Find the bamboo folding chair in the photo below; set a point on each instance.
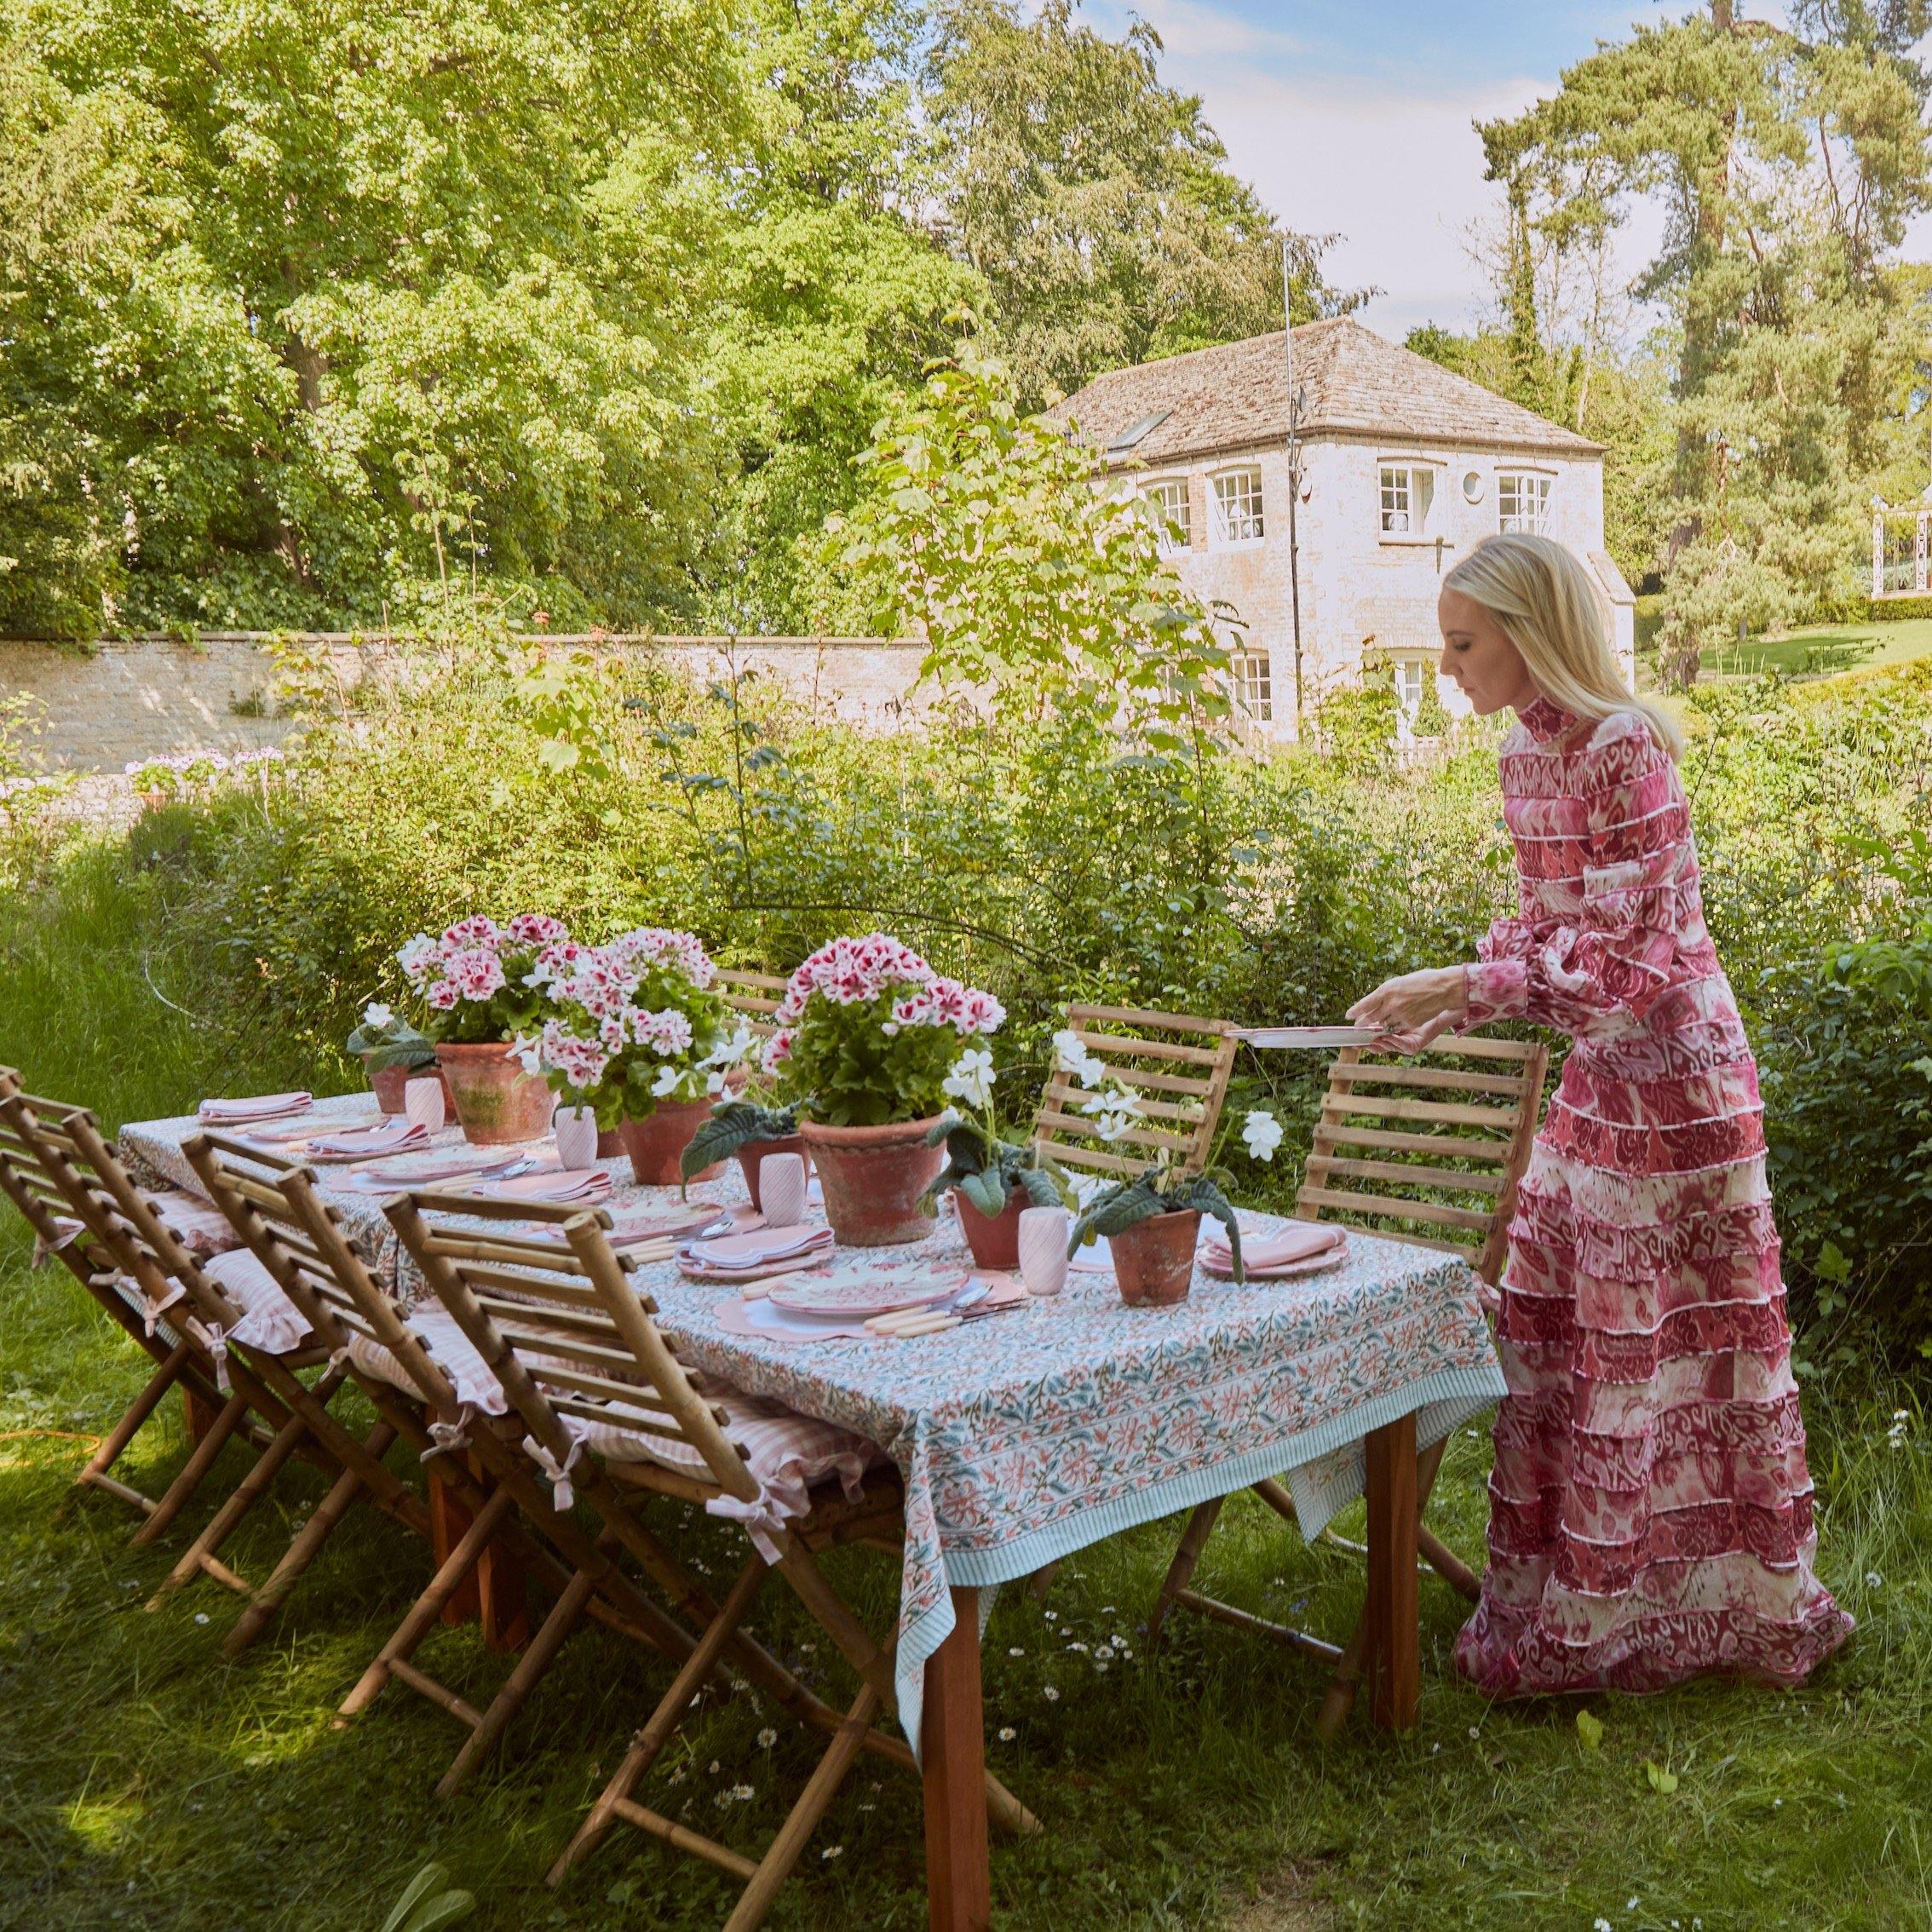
(575, 1346)
(252, 1381)
(1178, 1065)
(276, 1205)
(58, 1231)
(1435, 1162)
(755, 995)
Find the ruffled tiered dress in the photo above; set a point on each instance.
(1650, 1506)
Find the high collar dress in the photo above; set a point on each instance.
(1650, 1504)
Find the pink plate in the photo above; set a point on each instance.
(857, 1292)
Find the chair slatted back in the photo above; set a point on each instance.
(273, 1204)
(69, 1149)
(558, 1321)
(1428, 1149)
(28, 1183)
(755, 995)
(1178, 1064)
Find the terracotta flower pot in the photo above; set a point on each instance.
(495, 1101)
(872, 1178)
(610, 1143)
(753, 1152)
(993, 1239)
(656, 1145)
(1153, 1261)
(387, 1083)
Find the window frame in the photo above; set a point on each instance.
(1218, 537)
(1513, 479)
(1252, 672)
(1410, 467)
(1184, 521)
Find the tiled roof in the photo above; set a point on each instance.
(1237, 395)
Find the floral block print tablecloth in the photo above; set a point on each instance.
(1025, 1437)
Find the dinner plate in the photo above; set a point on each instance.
(855, 1292)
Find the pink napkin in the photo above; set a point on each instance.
(262, 1106)
(730, 1253)
(396, 1137)
(580, 1184)
(1299, 1241)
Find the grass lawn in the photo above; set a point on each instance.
(1824, 650)
(145, 1782)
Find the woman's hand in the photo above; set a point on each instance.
(1414, 1008)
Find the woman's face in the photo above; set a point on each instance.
(1478, 657)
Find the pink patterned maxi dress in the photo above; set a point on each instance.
(1650, 1508)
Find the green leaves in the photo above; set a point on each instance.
(427, 1905)
(1589, 1731)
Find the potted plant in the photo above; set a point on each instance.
(390, 1050)
(1152, 1224)
(482, 987)
(637, 1032)
(996, 1179)
(751, 1131)
(867, 1033)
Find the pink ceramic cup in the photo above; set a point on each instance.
(781, 1189)
(422, 1102)
(577, 1138)
(1043, 1235)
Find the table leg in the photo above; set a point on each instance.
(1394, 1597)
(493, 1590)
(953, 1747)
(200, 1415)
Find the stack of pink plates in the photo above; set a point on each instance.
(584, 1185)
(855, 1292)
(1303, 1247)
(262, 1106)
(361, 1143)
(744, 1257)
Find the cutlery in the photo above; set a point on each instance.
(898, 1318)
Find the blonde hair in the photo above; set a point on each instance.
(1548, 602)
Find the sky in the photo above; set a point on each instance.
(1355, 118)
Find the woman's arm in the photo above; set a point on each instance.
(1616, 954)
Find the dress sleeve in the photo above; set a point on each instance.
(1616, 952)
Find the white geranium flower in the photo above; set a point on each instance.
(1261, 1132)
(667, 1080)
(529, 1049)
(378, 1015)
(1071, 1055)
(971, 1079)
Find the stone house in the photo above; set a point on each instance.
(1404, 465)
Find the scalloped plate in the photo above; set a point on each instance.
(855, 1292)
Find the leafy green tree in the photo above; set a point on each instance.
(1787, 160)
(376, 296)
(1095, 201)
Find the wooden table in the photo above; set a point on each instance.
(1049, 1430)
(958, 1871)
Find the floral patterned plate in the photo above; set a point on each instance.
(855, 1291)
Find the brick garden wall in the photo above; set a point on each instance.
(148, 697)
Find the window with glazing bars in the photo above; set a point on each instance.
(1167, 504)
(1238, 507)
(1408, 494)
(1254, 685)
(1523, 502)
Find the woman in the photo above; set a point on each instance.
(1650, 1508)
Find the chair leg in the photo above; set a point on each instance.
(428, 1606)
(138, 1410)
(529, 1667)
(663, 1720)
(813, 1802)
(347, 1491)
(1200, 1525)
(247, 1494)
(1041, 1581)
(192, 1471)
